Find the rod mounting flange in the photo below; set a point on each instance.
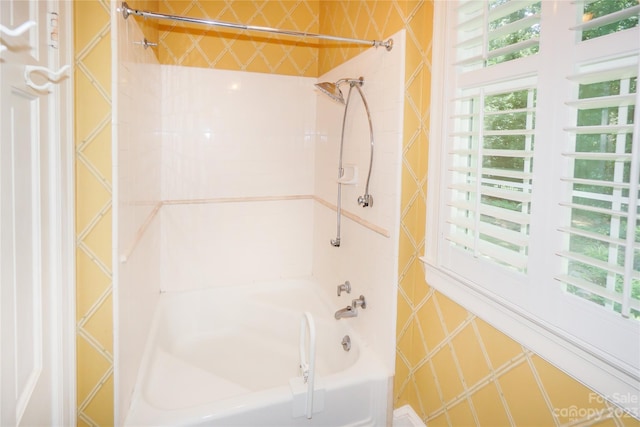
(125, 9)
(388, 44)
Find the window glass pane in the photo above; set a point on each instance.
(604, 8)
(508, 33)
(600, 200)
(496, 31)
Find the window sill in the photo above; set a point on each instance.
(578, 361)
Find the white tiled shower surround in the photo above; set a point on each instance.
(228, 177)
(235, 134)
(367, 259)
(136, 195)
(236, 137)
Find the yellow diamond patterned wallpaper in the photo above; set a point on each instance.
(196, 46)
(451, 367)
(370, 20)
(94, 327)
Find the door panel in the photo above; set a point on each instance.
(29, 305)
(27, 285)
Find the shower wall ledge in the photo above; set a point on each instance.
(139, 235)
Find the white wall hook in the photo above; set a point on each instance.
(18, 31)
(53, 76)
(146, 43)
(2, 48)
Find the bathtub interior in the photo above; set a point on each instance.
(229, 347)
(221, 331)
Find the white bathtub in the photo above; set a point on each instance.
(225, 357)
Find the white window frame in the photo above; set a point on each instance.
(516, 310)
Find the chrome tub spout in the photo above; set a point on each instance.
(351, 310)
(348, 311)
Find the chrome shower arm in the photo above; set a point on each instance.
(351, 81)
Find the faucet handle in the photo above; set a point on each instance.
(360, 302)
(346, 286)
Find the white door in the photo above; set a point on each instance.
(32, 309)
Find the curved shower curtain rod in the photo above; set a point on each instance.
(126, 11)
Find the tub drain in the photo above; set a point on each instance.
(346, 343)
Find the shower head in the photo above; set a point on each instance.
(333, 89)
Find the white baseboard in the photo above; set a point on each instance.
(405, 416)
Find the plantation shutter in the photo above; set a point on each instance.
(533, 218)
(492, 138)
(601, 257)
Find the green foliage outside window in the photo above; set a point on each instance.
(602, 8)
(512, 38)
(603, 196)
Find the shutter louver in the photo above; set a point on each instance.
(602, 258)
